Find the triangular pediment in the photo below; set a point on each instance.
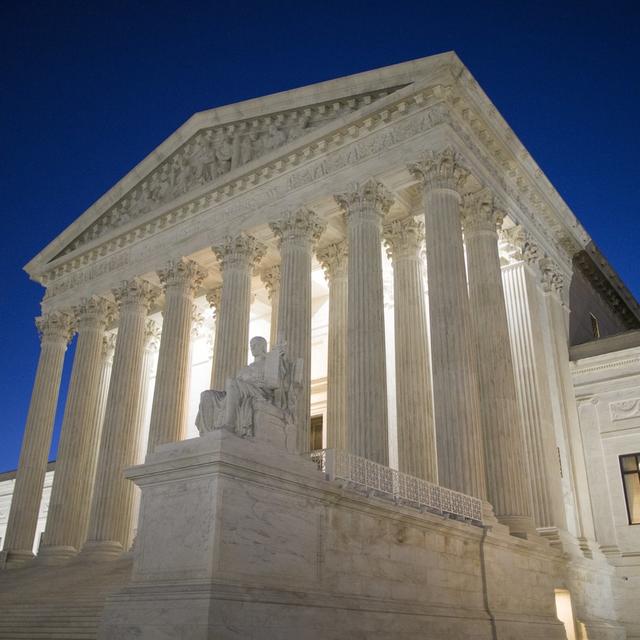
(220, 141)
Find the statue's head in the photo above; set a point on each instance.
(258, 346)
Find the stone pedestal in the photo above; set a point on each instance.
(239, 538)
(55, 330)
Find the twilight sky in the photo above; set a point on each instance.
(88, 89)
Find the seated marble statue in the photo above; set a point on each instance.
(270, 378)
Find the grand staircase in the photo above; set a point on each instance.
(62, 602)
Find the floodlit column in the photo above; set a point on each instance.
(416, 435)
(271, 279)
(113, 498)
(520, 278)
(297, 233)
(507, 486)
(334, 261)
(55, 329)
(365, 208)
(453, 360)
(213, 298)
(180, 279)
(70, 502)
(237, 257)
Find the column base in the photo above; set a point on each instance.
(519, 526)
(10, 559)
(56, 554)
(101, 550)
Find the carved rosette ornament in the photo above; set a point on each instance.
(369, 201)
(440, 170)
(301, 225)
(136, 292)
(271, 280)
(403, 238)
(333, 260)
(183, 273)
(239, 252)
(55, 326)
(481, 213)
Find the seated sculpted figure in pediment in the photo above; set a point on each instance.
(270, 378)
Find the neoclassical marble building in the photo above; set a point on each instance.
(389, 232)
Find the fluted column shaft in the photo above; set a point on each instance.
(271, 279)
(170, 398)
(502, 430)
(213, 298)
(416, 436)
(113, 498)
(334, 260)
(70, 501)
(366, 366)
(297, 233)
(532, 392)
(55, 331)
(237, 257)
(455, 383)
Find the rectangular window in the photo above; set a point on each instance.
(630, 468)
(316, 432)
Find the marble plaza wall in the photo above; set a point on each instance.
(238, 539)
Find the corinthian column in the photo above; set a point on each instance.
(237, 257)
(180, 279)
(526, 323)
(113, 498)
(78, 448)
(271, 279)
(213, 298)
(297, 234)
(507, 486)
(455, 382)
(416, 436)
(334, 261)
(55, 329)
(366, 368)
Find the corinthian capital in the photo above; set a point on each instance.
(333, 259)
(151, 335)
(403, 238)
(271, 279)
(300, 225)
(518, 246)
(369, 201)
(552, 277)
(55, 326)
(136, 292)
(213, 297)
(94, 312)
(182, 273)
(239, 252)
(481, 212)
(440, 170)
(108, 347)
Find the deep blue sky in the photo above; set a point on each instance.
(88, 89)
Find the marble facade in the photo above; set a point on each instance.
(392, 234)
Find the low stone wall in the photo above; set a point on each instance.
(240, 540)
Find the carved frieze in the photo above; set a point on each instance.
(624, 409)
